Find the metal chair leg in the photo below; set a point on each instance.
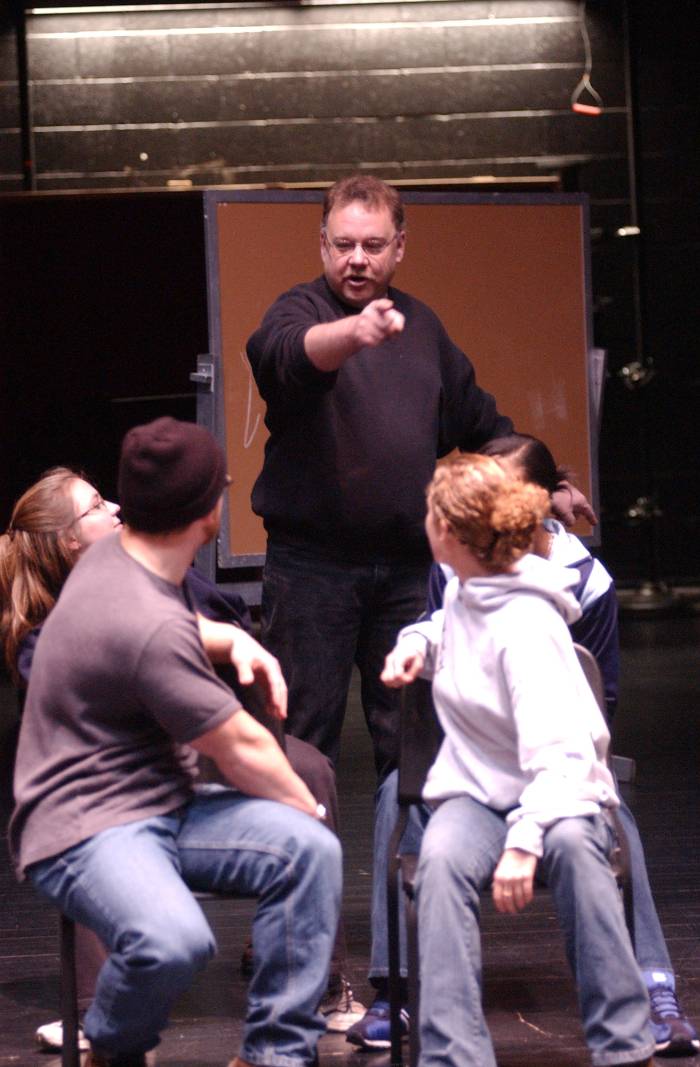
(413, 975)
(70, 1056)
(393, 926)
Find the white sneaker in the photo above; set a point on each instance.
(50, 1036)
(339, 1008)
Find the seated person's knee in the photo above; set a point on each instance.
(180, 944)
(575, 839)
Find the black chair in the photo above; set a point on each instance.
(70, 1055)
(420, 738)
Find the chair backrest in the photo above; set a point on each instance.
(591, 670)
(620, 855)
(420, 738)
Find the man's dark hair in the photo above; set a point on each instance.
(371, 191)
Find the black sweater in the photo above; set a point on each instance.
(351, 451)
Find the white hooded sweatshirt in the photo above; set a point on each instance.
(523, 732)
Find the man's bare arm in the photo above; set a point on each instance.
(329, 344)
(225, 643)
(250, 759)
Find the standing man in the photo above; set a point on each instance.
(107, 822)
(364, 392)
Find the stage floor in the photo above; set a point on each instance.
(529, 994)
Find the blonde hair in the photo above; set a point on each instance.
(489, 510)
(34, 558)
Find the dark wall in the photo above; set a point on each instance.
(104, 313)
(436, 89)
(270, 92)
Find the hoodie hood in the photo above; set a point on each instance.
(531, 575)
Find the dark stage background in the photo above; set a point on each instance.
(103, 299)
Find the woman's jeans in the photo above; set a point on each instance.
(650, 947)
(131, 885)
(462, 844)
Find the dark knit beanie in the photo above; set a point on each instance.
(170, 473)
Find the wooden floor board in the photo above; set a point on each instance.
(529, 996)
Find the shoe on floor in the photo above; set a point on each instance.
(374, 1028)
(50, 1037)
(673, 1033)
(338, 1007)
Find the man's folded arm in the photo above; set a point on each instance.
(250, 759)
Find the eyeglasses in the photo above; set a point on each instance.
(97, 505)
(372, 246)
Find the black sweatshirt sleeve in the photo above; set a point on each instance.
(284, 374)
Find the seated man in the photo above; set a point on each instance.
(107, 823)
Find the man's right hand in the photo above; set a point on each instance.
(377, 322)
(329, 344)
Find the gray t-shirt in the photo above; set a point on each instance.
(120, 683)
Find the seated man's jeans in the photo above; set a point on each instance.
(319, 617)
(131, 885)
(650, 945)
(462, 844)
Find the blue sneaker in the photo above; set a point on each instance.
(673, 1033)
(374, 1028)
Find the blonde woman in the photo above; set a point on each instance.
(52, 523)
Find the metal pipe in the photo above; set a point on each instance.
(25, 103)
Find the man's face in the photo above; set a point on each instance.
(359, 276)
(212, 523)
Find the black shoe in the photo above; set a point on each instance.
(95, 1059)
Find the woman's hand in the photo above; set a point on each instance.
(403, 665)
(513, 879)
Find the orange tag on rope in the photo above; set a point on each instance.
(587, 109)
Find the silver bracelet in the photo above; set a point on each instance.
(321, 812)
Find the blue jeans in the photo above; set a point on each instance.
(386, 811)
(131, 885)
(649, 941)
(650, 947)
(462, 844)
(319, 617)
